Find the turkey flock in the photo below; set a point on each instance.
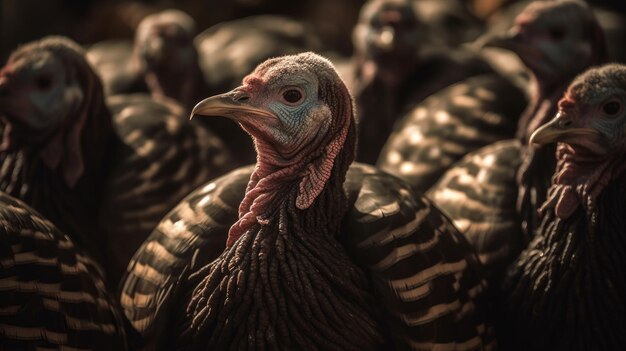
(458, 182)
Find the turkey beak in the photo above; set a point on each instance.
(561, 129)
(233, 105)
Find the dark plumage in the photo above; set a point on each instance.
(52, 293)
(449, 124)
(549, 59)
(100, 179)
(168, 60)
(566, 290)
(556, 41)
(230, 50)
(479, 194)
(396, 68)
(310, 262)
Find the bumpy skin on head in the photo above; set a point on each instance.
(591, 125)
(299, 113)
(56, 131)
(566, 290)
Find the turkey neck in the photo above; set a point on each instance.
(569, 285)
(285, 282)
(380, 99)
(542, 106)
(538, 162)
(73, 210)
(186, 86)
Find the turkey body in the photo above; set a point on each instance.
(479, 194)
(526, 190)
(449, 124)
(566, 289)
(315, 243)
(415, 260)
(159, 159)
(52, 293)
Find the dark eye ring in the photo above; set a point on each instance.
(43, 82)
(612, 108)
(292, 95)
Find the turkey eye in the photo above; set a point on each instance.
(611, 108)
(292, 95)
(43, 82)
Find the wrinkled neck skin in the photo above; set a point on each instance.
(271, 183)
(580, 178)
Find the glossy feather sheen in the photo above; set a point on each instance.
(418, 263)
(448, 125)
(52, 294)
(479, 195)
(230, 50)
(381, 108)
(160, 160)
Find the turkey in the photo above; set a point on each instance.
(487, 213)
(52, 294)
(100, 178)
(310, 261)
(162, 60)
(168, 61)
(566, 290)
(395, 68)
(556, 41)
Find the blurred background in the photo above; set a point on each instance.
(90, 21)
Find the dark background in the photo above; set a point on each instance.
(89, 21)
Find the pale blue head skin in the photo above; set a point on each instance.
(37, 90)
(592, 114)
(279, 105)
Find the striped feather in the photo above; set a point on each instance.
(52, 296)
(163, 158)
(449, 124)
(479, 194)
(421, 267)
